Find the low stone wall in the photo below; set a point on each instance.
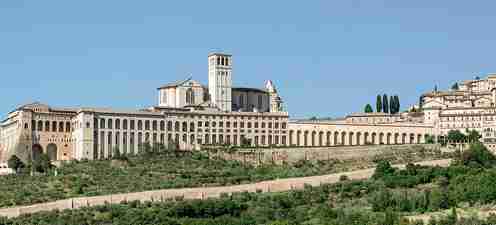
(293, 154)
(197, 193)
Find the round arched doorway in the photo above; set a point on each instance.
(36, 151)
(52, 151)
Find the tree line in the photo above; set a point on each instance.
(385, 104)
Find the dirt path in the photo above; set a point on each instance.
(278, 185)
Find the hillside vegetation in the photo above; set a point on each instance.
(385, 199)
(155, 169)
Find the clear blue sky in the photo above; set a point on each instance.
(341, 53)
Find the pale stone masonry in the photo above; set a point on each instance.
(190, 114)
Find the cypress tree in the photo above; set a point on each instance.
(392, 105)
(397, 105)
(385, 105)
(378, 104)
(368, 109)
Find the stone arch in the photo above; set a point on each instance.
(419, 138)
(102, 123)
(388, 138)
(47, 126)
(162, 125)
(343, 138)
(350, 138)
(192, 139)
(176, 126)
(207, 139)
(109, 124)
(314, 134)
(40, 125)
(52, 151)
(61, 126)
(37, 150)
(154, 125)
(298, 138)
(366, 138)
(328, 138)
(381, 138)
(321, 138)
(396, 138)
(412, 139)
(403, 138)
(54, 126)
(192, 127)
(185, 126)
(336, 136)
(305, 138)
(358, 138)
(374, 138)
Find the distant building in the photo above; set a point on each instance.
(188, 114)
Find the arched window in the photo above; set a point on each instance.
(169, 126)
(176, 127)
(154, 125)
(54, 126)
(147, 125)
(102, 123)
(118, 124)
(131, 124)
(61, 126)
(185, 126)
(162, 126)
(124, 124)
(40, 125)
(190, 96)
(140, 125)
(227, 61)
(109, 124)
(192, 127)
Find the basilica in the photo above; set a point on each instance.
(189, 114)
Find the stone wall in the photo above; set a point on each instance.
(196, 193)
(294, 154)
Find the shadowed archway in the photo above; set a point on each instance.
(52, 151)
(37, 151)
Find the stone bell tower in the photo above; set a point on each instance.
(220, 80)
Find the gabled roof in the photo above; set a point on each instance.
(175, 84)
